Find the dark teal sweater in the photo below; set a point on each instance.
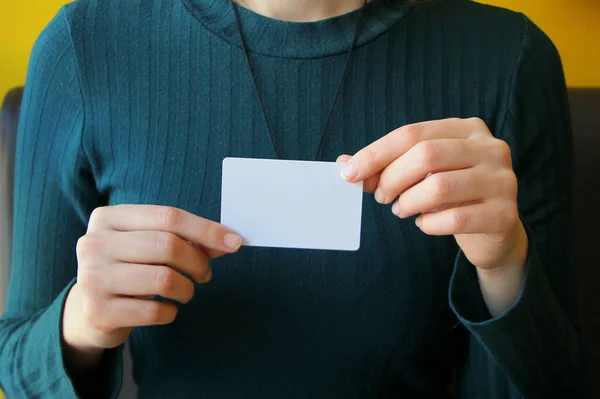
(139, 101)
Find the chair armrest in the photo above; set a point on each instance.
(9, 119)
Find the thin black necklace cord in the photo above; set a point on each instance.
(337, 92)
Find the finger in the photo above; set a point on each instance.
(376, 156)
(110, 314)
(370, 184)
(456, 186)
(157, 248)
(208, 234)
(451, 205)
(343, 158)
(211, 253)
(427, 157)
(145, 280)
(489, 217)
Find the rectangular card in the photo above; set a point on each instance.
(291, 204)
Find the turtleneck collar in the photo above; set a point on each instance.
(285, 39)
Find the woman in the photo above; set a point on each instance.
(447, 109)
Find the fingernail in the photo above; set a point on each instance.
(396, 208)
(418, 221)
(379, 197)
(233, 241)
(350, 171)
(208, 276)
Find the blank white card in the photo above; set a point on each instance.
(291, 204)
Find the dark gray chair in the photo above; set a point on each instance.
(585, 110)
(9, 118)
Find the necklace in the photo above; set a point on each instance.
(337, 92)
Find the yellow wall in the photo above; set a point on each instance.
(20, 23)
(573, 25)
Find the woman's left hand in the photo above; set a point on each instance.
(458, 177)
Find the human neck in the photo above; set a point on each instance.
(301, 10)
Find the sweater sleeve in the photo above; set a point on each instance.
(534, 349)
(54, 195)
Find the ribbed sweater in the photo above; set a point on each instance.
(139, 101)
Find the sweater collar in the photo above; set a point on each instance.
(297, 39)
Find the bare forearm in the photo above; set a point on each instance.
(80, 358)
(501, 286)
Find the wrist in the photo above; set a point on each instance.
(501, 288)
(78, 353)
(514, 258)
(501, 285)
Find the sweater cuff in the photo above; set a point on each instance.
(467, 302)
(515, 339)
(518, 340)
(111, 367)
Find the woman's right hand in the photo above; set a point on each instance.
(129, 254)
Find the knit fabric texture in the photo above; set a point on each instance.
(139, 101)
